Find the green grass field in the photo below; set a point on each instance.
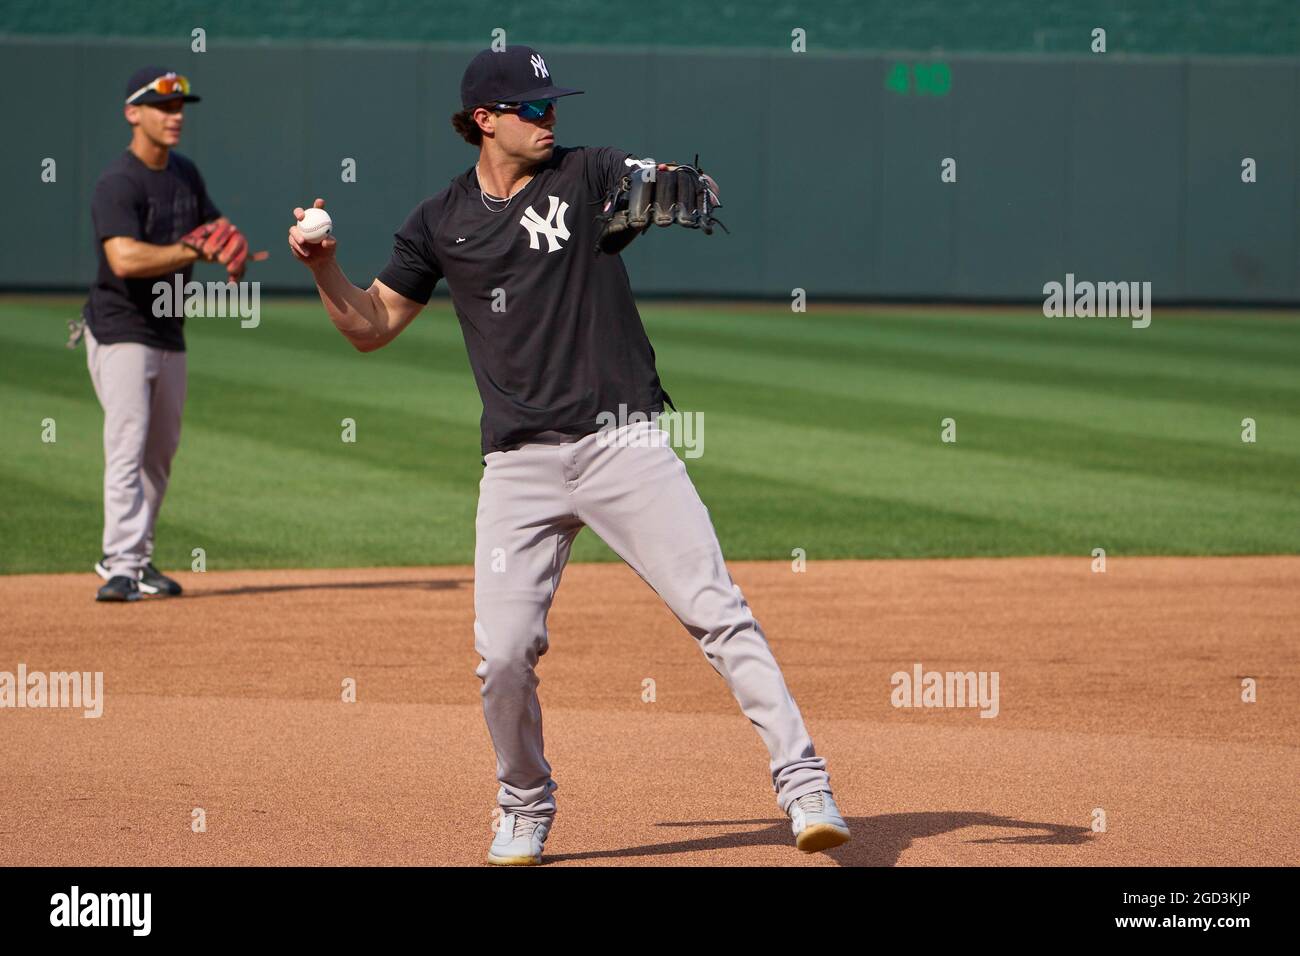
(822, 432)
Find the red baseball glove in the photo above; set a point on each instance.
(219, 241)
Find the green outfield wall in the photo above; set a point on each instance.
(1113, 167)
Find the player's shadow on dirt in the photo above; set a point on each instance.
(877, 841)
(331, 586)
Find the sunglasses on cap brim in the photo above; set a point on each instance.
(165, 85)
(533, 109)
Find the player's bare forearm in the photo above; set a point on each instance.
(368, 318)
(133, 259)
(358, 313)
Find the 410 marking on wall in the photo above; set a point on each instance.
(921, 79)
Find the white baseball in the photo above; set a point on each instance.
(315, 224)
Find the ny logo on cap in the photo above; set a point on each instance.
(537, 226)
(539, 65)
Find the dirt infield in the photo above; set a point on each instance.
(1120, 691)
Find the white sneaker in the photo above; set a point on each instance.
(519, 841)
(817, 823)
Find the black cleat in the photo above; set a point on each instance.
(120, 588)
(153, 581)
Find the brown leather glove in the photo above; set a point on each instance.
(219, 241)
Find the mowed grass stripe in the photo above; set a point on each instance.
(70, 540)
(816, 437)
(395, 450)
(315, 507)
(797, 515)
(441, 452)
(1270, 339)
(1059, 498)
(300, 409)
(1204, 418)
(1007, 368)
(1205, 447)
(1116, 350)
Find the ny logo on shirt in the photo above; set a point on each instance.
(553, 226)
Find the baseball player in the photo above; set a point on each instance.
(526, 240)
(153, 218)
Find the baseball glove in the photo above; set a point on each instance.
(678, 196)
(219, 241)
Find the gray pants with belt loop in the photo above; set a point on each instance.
(630, 488)
(142, 392)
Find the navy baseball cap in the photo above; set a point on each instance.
(141, 87)
(516, 74)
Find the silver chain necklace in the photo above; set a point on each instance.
(484, 197)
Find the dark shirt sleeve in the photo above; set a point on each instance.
(413, 269)
(116, 209)
(605, 167)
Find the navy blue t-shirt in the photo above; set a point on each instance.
(157, 206)
(552, 329)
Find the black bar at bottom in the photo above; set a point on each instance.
(336, 904)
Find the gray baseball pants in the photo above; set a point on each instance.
(631, 489)
(142, 392)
